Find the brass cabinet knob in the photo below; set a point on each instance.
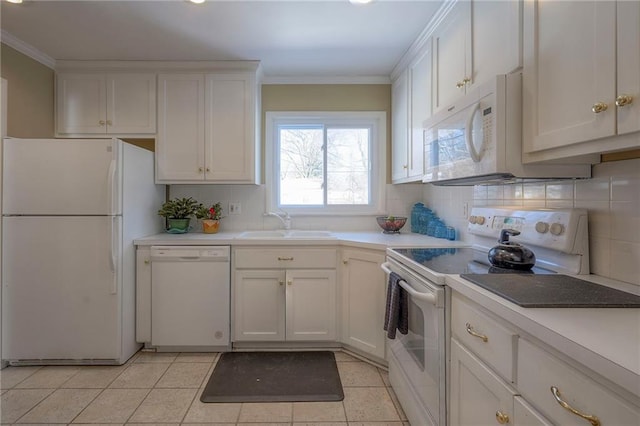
(599, 107)
(405, 167)
(101, 122)
(623, 100)
(345, 261)
(501, 417)
(109, 123)
(289, 282)
(281, 282)
(459, 85)
(146, 262)
(466, 81)
(208, 169)
(200, 169)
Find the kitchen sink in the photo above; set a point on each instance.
(287, 234)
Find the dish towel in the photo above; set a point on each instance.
(396, 315)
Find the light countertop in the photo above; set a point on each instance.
(371, 240)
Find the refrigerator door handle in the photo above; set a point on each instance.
(112, 255)
(111, 185)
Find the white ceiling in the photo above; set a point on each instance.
(303, 38)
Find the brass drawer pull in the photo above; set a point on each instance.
(285, 258)
(474, 334)
(501, 417)
(591, 419)
(623, 100)
(599, 107)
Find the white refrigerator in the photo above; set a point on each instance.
(71, 209)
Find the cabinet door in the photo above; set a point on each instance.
(258, 300)
(143, 295)
(629, 65)
(478, 396)
(452, 55)
(131, 103)
(568, 70)
(526, 415)
(363, 297)
(180, 142)
(81, 103)
(400, 142)
(311, 305)
(420, 107)
(496, 39)
(230, 147)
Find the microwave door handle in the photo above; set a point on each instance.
(475, 156)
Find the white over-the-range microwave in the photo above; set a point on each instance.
(478, 140)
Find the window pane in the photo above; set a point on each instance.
(301, 165)
(348, 165)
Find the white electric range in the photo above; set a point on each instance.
(418, 360)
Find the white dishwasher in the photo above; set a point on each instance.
(190, 298)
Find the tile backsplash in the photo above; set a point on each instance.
(252, 198)
(611, 197)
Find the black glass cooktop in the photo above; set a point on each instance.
(554, 291)
(458, 261)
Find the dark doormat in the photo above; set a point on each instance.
(274, 376)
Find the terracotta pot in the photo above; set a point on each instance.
(210, 226)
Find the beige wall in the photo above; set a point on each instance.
(329, 97)
(30, 102)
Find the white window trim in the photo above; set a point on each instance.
(378, 119)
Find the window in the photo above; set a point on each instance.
(326, 162)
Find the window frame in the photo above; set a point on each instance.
(376, 120)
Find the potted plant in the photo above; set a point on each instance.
(177, 213)
(210, 217)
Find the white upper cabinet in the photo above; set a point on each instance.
(98, 104)
(400, 126)
(475, 41)
(452, 61)
(207, 128)
(411, 105)
(572, 87)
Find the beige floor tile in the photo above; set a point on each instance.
(375, 424)
(264, 424)
(369, 404)
(385, 377)
(16, 402)
(48, 377)
(201, 412)
(112, 406)
(318, 412)
(140, 375)
(94, 377)
(197, 357)
(184, 375)
(321, 424)
(11, 376)
(208, 424)
(94, 424)
(164, 405)
(253, 412)
(62, 406)
(345, 357)
(156, 357)
(396, 403)
(359, 374)
(151, 424)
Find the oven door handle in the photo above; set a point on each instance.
(425, 297)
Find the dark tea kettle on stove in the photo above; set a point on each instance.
(511, 255)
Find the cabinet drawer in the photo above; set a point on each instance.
(492, 342)
(539, 371)
(287, 257)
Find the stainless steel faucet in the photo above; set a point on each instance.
(284, 218)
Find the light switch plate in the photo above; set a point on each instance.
(235, 208)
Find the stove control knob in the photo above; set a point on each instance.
(472, 220)
(556, 228)
(542, 227)
(480, 220)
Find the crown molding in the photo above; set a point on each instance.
(26, 49)
(337, 79)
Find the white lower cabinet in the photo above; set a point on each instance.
(478, 395)
(291, 295)
(546, 382)
(363, 297)
(545, 389)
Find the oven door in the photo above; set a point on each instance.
(417, 360)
